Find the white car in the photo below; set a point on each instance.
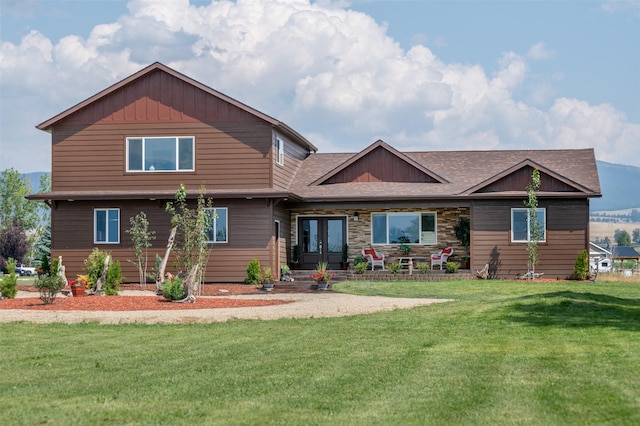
(25, 271)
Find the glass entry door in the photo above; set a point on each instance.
(321, 240)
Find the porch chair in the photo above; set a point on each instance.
(373, 258)
(441, 257)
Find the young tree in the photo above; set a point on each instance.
(636, 235)
(534, 226)
(192, 250)
(141, 238)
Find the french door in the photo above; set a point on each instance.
(321, 240)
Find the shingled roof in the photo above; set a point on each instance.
(459, 174)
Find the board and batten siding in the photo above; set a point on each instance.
(491, 238)
(159, 97)
(227, 156)
(250, 224)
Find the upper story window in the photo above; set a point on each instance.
(403, 228)
(521, 225)
(160, 154)
(217, 232)
(106, 226)
(280, 151)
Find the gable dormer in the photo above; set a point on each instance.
(379, 163)
(518, 177)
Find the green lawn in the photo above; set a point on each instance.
(502, 353)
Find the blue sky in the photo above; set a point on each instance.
(421, 75)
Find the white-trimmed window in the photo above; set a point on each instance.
(217, 232)
(521, 225)
(404, 228)
(106, 226)
(160, 154)
(280, 151)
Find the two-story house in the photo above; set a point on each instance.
(128, 148)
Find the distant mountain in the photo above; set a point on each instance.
(35, 180)
(620, 186)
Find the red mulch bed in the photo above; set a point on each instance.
(155, 303)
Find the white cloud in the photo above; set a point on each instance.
(623, 6)
(539, 52)
(331, 73)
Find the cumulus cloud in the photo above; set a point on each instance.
(332, 73)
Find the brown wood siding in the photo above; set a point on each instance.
(293, 156)
(284, 248)
(520, 179)
(228, 155)
(567, 236)
(159, 97)
(250, 230)
(380, 165)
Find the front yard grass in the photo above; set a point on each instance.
(501, 353)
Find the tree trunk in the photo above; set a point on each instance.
(165, 260)
(103, 277)
(190, 285)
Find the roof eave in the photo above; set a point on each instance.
(487, 196)
(157, 195)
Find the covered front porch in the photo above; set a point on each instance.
(338, 235)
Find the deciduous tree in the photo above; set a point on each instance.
(534, 226)
(15, 209)
(141, 238)
(13, 244)
(622, 238)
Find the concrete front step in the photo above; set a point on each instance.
(461, 274)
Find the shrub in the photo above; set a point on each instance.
(54, 266)
(113, 280)
(451, 267)
(10, 281)
(49, 286)
(405, 249)
(581, 268)
(394, 267)
(358, 260)
(254, 273)
(360, 267)
(423, 268)
(172, 289)
(93, 266)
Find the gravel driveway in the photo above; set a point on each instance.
(305, 305)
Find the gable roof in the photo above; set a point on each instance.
(282, 127)
(460, 174)
(527, 165)
(595, 249)
(333, 176)
(623, 252)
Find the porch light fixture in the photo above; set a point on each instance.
(356, 217)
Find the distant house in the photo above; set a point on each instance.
(599, 258)
(623, 253)
(129, 147)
